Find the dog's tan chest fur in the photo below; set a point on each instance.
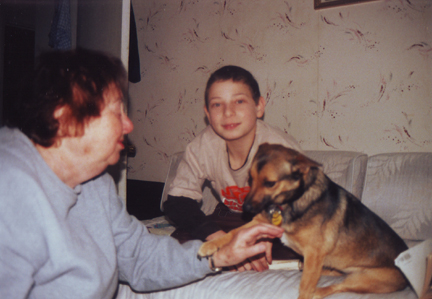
(289, 243)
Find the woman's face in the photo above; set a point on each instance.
(103, 136)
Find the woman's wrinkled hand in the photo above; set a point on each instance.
(249, 248)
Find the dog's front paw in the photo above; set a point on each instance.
(308, 294)
(305, 296)
(207, 249)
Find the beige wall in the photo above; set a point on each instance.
(356, 77)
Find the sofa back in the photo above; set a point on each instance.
(346, 168)
(398, 188)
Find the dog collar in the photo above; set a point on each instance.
(275, 212)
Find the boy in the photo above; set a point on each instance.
(222, 153)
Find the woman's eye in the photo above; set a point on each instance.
(119, 108)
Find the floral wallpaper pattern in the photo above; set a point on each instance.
(355, 77)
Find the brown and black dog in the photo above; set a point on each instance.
(333, 231)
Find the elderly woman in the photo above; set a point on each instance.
(64, 232)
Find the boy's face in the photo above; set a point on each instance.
(232, 111)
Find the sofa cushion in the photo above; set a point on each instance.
(398, 187)
(209, 202)
(345, 168)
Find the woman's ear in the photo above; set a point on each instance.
(66, 127)
(59, 114)
(260, 107)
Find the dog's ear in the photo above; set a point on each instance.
(303, 164)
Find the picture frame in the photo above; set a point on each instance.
(319, 4)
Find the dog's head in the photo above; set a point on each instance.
(278, 175)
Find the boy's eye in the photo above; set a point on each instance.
(240, 101)
(215, 105)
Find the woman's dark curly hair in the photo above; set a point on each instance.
(76, 80)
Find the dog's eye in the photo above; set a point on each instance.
(269, 184)
(296, 176)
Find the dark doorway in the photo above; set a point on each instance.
(19, 52)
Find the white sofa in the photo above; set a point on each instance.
(396, 186)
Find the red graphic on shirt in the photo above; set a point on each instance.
(233, 197)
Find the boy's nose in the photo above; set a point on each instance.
(229, 110)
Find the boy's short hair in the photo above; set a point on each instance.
(236, 74)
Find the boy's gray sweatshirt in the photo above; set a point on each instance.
(58, 242)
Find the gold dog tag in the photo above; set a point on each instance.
(276, 216)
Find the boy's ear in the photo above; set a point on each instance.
(260, 107)
(206, 112)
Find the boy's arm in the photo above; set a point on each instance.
(186, 214)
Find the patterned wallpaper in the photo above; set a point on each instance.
(355, 77)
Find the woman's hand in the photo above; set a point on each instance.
(258, 263)
(244, 250)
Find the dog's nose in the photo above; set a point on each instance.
(247, 207)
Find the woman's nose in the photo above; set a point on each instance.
(127, 124)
